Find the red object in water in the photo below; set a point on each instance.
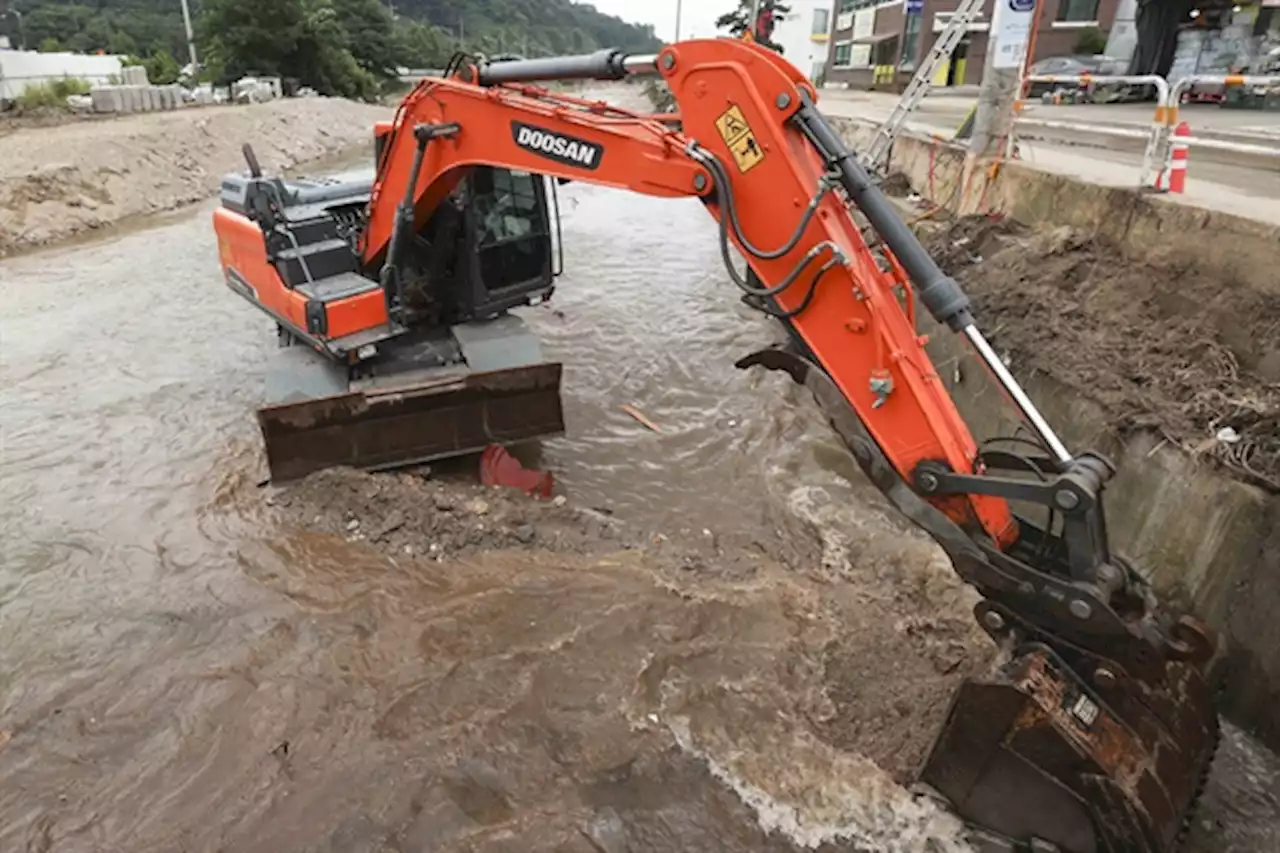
(500, 468)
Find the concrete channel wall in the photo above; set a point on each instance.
(1209, 541)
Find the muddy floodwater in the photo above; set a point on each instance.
(179, 672)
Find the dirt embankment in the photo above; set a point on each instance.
(784, 683)
(56, 182)
(1171, 346)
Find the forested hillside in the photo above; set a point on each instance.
(307, 39)
(546, 26)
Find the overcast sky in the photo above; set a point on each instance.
(698, 16)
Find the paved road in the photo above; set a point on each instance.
(1244, 184)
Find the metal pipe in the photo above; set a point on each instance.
(644, 63)
(1162, 85)
(1016, 394)
(1175, 97)
(607, 64)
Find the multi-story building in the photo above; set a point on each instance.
(805, 33)
(880, 44)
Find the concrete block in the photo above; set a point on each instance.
(134, 75)
(106, 99)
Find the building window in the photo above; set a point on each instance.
(844, 54)
(885, 52)
(1077, 10)
(821, 21)
(910, 41)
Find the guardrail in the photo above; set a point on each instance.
(1153, 155)
(1159, 149)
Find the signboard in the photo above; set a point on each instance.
(1011, 30)
(915, 7)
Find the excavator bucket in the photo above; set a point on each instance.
(386, 427)
(1035, 752)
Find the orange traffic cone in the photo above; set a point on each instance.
(1178, 158)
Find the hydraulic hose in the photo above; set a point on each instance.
(728, 219)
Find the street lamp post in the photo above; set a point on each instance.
(22, 39)
(679, 5)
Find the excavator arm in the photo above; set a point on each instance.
(1096, 732)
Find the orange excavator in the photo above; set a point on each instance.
(1095, 732)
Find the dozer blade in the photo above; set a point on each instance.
(391, 427)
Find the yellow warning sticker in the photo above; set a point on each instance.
(747, 153)
(732, 125)
(742, 143)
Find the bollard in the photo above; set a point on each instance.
(1178, 159)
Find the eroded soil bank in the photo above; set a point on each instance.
(56, 182)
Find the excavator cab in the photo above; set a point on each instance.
(374, 376)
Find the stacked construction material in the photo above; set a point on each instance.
(135, 94)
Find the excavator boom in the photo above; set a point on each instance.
(1094, 734)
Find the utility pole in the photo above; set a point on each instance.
(22, 38)
(1001, 75)
(191, 39)
(755, 16)
(679, 9)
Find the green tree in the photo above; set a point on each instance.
(50, 45)
(241, 37)
(162, 68)
(282, 38)
(369, 32)
(420, 45)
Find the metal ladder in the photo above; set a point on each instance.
(921, 83)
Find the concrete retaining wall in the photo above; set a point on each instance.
(22, 68)
(1207, 540)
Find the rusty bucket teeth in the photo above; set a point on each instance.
(412, 423)
(1188, 822)
(1034, 753)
